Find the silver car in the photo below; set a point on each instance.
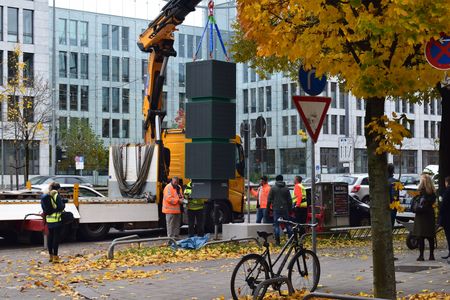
(358, 185)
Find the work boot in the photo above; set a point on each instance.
(420, 258)
(56, 259)
(51, 258)
(431, 256)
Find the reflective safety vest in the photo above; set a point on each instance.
(193, 204)
(56, 216)
(299, 196)
(262, 195)
(171, 200)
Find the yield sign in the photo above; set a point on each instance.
(312, 111)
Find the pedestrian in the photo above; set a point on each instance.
(172, 201)
(53, 206)
(299, 201)
(393, 193)
(444, 214)
(261, 194)
(424, 220)
(195, 212)
(281, 201)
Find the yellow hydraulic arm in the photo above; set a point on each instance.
(158, 40)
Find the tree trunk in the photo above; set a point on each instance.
(16, 161)
(27, 162)
(382, 248)
(444, 137)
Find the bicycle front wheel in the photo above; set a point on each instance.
(304, 271)
(250, 271)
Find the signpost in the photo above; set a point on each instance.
(312, 110)
(346, 149)
(437, 52)
(79, 164)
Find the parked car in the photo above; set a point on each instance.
(66, 179)
(359, 212)
(308, 181)
(411, 179)
(358, 185)
(67, 189)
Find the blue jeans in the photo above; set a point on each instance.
(261, 215)
(276, 226)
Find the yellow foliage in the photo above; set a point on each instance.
(303, 135)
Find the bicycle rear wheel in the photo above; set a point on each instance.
(304, 271)
(250, 271)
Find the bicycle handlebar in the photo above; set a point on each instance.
(281, 220)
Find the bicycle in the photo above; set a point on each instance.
(257, 268)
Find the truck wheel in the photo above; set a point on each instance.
(93, 231)
(224, 212)
(411, 241)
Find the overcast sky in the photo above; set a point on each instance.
(142, 9)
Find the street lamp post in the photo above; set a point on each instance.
(53, 129)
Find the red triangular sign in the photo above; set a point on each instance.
(312, 111)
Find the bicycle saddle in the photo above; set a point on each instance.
(264, 234)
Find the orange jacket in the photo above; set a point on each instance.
(298, 194)
(172, 200)
(262, 194)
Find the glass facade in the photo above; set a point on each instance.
(406, 162)
(293, 161)
(28, 20)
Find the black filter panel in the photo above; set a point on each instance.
(210, 119)
(211, 79)
(211, 161)
(210, 189)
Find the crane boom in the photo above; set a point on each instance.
(158, 40)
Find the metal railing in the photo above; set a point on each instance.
(133, 239)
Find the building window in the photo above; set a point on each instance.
(115, 128)
(429, 157)
(253, 128)
(411, 108)
(28, 109)
(439, 107)
(333, 124)
(260, 99)
(293, 93)
(285, 121)
(333, 88)
(1, 28)
(404, 106)
(406, 162)
(84, 66)
(397, 105)
(13, 108)
(13, 61)
(84, 34)
(268, 98)
(342, 96)
(63, 96)
(115, 100)
(182, 100)
(125, 38)
(28, 69)
(285, 96)
(115, 37)
(105, 68)
(105, 128)
(361, 162)
(426, 129)
(329, 161)
(253, 100)
(433, 129)
(197, 42)
(245, 101)
(425, 107)
(359, 130)
(269, 126)
(125, 101)
(73, 34)
(115, 62)
(73, 65)
(181, 74)
(432, 107)
(62, 28)
(325, 125)
(62, 124)
(341, 124)
(62, 64)
(105, 99)
(245, 72)
(125, 129)
(28, 26)
(84, 91)
(13, 24)
(105, 36)
(125, 69)
(293, 161)
(144, 70)
(181, 45)
(73, 97)
(412, 127)
(293, 125)
(190, 46)
(359, 103)
(252, 75)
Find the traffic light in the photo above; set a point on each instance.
(61, 153)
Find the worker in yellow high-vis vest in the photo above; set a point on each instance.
(53, 206)
(196, 213)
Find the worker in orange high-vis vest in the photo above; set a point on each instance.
(299, 201)
(261, 195)
(172, 201)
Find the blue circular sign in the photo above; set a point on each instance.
(310, 83)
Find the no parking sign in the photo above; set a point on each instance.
(437, 52)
